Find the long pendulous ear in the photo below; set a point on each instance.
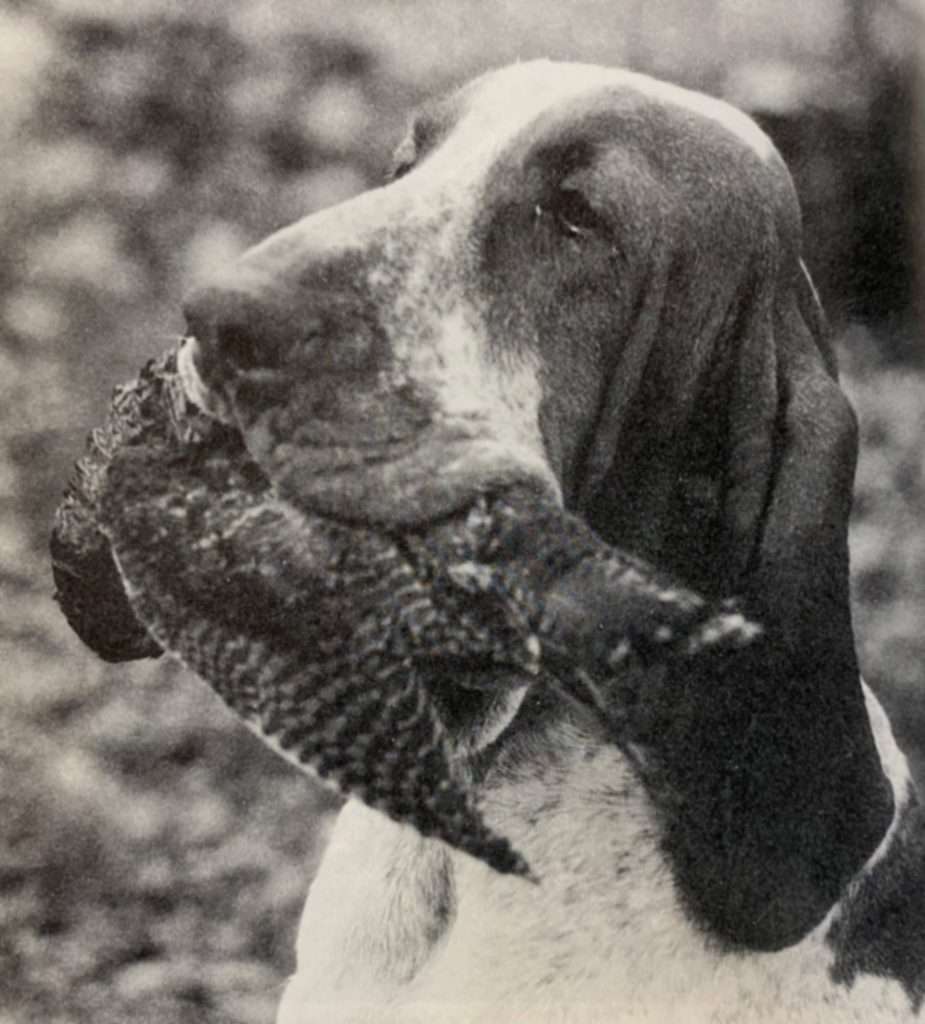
(789, 473)
(723, 450)
(775, 790)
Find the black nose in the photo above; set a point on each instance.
(240, 331)
(312, 331)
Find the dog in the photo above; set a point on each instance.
(593, 280)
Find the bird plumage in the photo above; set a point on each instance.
(335, 641)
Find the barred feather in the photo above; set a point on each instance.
(323, 636)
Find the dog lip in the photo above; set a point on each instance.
(403, 485)
(420, 474)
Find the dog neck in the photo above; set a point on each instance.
(396, 922)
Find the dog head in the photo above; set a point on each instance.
(575, 276)
(591, 281)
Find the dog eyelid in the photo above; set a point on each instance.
(399, 169)
(574, 215)
(403, 159)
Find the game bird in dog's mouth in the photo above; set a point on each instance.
(347, 646)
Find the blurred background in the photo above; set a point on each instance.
(153, 856)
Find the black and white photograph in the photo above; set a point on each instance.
(462, 512)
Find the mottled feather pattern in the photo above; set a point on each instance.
(308, 629)
(334, 641)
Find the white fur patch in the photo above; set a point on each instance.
(498, 404)
(895, 767)
(532, 88)
(602, 939)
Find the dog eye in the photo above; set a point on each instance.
(403, 159)
(398, 170)
(574, 215)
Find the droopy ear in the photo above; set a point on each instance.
(724, 451)
(767, 770)
(731, 455)
(792, 448)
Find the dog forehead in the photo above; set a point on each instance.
(497, 107)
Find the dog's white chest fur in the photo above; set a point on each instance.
(398, 929)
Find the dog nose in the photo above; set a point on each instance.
(240, 330)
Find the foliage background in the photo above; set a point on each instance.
(153, 856)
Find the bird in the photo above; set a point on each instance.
(333, 641)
